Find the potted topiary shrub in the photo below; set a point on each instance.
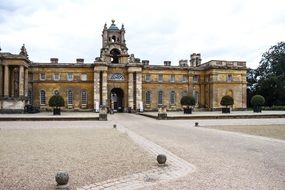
(187, 102)
(226, 101)
(56, 101)
(257, 101)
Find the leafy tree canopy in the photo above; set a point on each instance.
(227, 101)
(270, 75)
(187, 101)
(56, 101)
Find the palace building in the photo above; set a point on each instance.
(118, 80)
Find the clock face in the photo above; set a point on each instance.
(117, 76)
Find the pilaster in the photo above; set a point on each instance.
(104, 88)
(26, 82)
(130, 91)
(6, 80)
(21, 81)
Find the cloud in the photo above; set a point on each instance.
(155, 30)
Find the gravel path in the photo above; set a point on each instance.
(31, 154)
(223, 160)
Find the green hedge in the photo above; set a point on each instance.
(274, 108)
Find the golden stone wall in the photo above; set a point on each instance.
(63, 85)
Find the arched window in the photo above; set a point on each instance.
(56, 92)
(160, 98)
(30, 97)
(83, 97)
(69, 97)
(172, 97)
(184, 93)
(115, 55)
(42, 97)
(196, 96)
(113, 38)
(147, 97)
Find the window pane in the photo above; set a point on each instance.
(69, 97)
(42, 97)
(84, 97)
(160, 96)
(147, 97)
(83, 77)
(172, 97)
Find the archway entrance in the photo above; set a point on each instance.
(116, 98)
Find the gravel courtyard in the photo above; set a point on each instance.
(32, 152)
(271, 131)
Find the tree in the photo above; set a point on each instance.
(227, 101)
(187, 101)
(270, 75)
(251, 84)
(56, 101)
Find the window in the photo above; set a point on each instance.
(230, 78)
(56, 76)
(30, 97)
(69, 76)
(42, 76)
(184, 78)
(147, 77)
(160, 97)
(147, 97)
(83, 97)
(206, 78)
(42, 97)
(83, 77)
(117, 76)
(69, 97)
(196, 96)
(172, 97)
(56, 92)
(195, 78)
(172, 78)
(184, 93)
(160, 78)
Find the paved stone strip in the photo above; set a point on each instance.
(175, 168)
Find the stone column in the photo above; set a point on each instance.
(21, 81)
(1, 79)
(130, 91)
(139, 91)
(6, 81)
(96, 91)
(26, 82)
(12, 82)
(104, 88)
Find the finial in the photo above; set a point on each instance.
(113, 21)
(123, 27)
(105, 26)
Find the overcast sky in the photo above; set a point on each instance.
(156, 30)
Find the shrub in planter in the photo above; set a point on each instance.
(257, 101)
(56, 101)
(226, 101)
(187, 102)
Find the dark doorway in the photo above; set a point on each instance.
(116, 99)
(115, 55)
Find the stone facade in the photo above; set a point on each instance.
(119, 80)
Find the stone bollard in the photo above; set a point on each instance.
(196, 124)
(162, 114)
(61, 179)
(161, 159)
(114, 126)
(103, 114)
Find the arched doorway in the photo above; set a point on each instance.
(116, 99)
